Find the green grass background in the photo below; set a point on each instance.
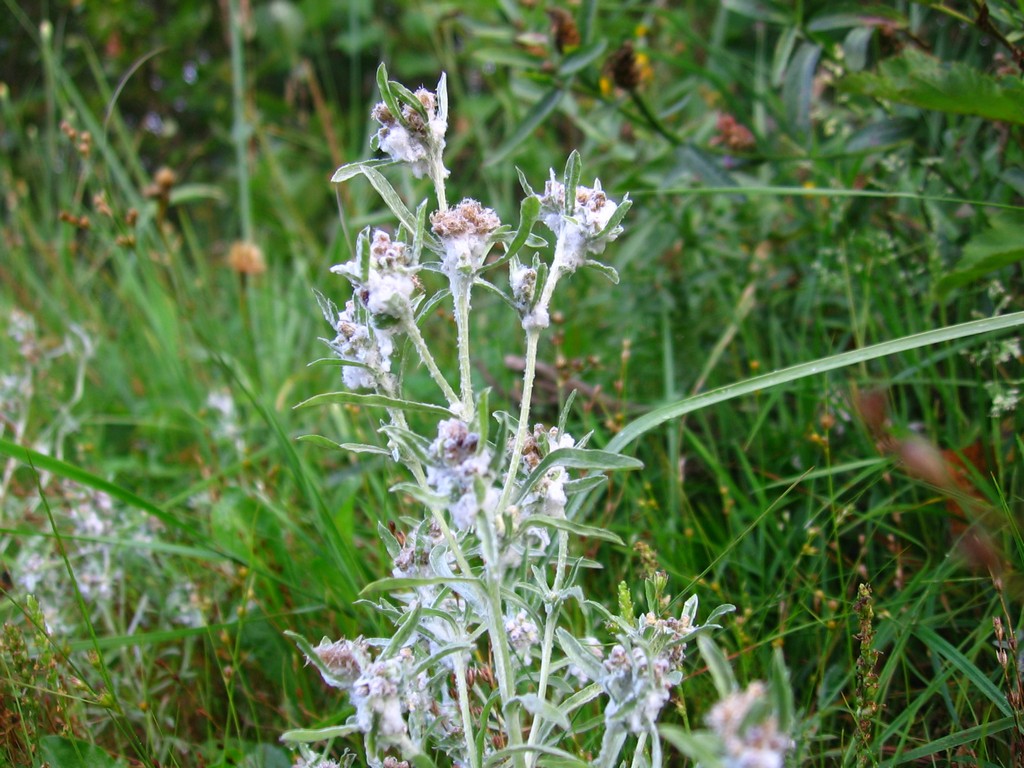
(879, 198)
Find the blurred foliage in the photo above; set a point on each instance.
(809, 177)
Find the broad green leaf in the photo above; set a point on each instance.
(62, 752)
(537, 115)
(994, 248)
(545, 709)
(373, 401)
(951, 741)
(967, 669)
(757, 10)
(581, 57)
(798, 86)
(644, 424)
(307, 735)
(924, 81)
(569, 526)
(880, 135)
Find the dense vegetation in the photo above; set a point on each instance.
(809, 180)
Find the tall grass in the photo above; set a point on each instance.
(764, 287)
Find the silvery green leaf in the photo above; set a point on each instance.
(581, 656)
(582, 697)
(781, 692)
(363, 255)
(395, 583)
(319, 440)
(390, 542)
(422, 495)
(566, 409)
(529, 210)
(384, 86)
(616, 218)
(718, 665)
(377, 401)
(482, 425)
(689, 611)
(405, 630)
(445, 650)
(364, 448)
(577, 458)
(469, 589)
(524, 183)
(435, 300)
(581, 484)
(721, 610)
(312, 656)
(406, 96)
(504, 756)
(579, 529)
(571, 180)
(408, 442)
(420, 233)
(306, 735)
(383, 187)
(538, 707)
(442, 98)
(703, 747)
(610, 273)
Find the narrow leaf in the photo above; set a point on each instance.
(656, 418)
(569, 526)
(537, 114)
(373, 401)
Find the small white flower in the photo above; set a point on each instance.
(579, 232)
(523, 634)
(410, 139)
(464, 231)
(748, 744)
(344, 661)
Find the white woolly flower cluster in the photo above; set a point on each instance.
(749, 740)
(547, 497)
(638, 685)
(522, 279)
(387, 286)
(367, 350)
(461, 472)
(580, 231)
(388, 693)
(464, 231)
(523, 634)
(408, 137)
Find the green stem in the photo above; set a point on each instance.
(532, 339)
(240, 131)
(503, 667)
(461, 287)
(550, 623)
(413, 331)
(467, 717)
